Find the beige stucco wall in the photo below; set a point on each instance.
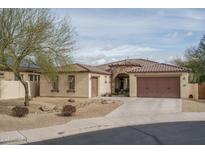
(104, 83)
(81, 85)
(12, 89)
(194, 90)
(184, 85)
(9, 88)
(133, 85)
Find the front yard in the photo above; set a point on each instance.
(86, 108)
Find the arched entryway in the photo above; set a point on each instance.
(122, 84)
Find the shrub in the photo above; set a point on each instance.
(68, 110)
(20, 111)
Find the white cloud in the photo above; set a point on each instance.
(189, 34)
(106, 53)
(172, 35)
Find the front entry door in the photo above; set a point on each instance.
(94, 87)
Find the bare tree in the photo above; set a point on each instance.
(34, 35)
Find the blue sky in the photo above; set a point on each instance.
(106, 35)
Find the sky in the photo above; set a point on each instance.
(106, 35)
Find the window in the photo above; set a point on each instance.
(71, 83)
(55, 85)
(35, 77)
(30, 77)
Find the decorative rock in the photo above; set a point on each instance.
(103, 102)
(57, 108)
(71, 100)
(45, 108)
(107, 102)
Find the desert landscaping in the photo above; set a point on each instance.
(46, 111)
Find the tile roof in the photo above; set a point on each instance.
(159, 67)
(127, 62)
(72, 68)
(137, 62)
(93, 69)
(134, 66)
(81, 68)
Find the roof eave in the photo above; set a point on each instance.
(161, 72)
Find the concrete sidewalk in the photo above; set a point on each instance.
(92, 124)
(71, 128)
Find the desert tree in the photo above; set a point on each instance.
(35, 35)
(195, 59)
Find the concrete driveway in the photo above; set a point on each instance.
(146, 106)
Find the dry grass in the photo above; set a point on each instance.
(193, 105)
(85, 108)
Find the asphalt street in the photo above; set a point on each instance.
(173, 133)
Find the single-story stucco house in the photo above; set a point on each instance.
(134, 77)
(80, 81)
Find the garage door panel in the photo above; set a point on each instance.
(158, 87)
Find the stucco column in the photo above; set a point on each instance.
(133, 85)
(113, 84)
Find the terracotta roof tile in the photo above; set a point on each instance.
(94, 69)
(134, 66)
(72, 68)
(159, 67)
(128, 62)
(81, 68)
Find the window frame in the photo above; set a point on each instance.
(71, 84)
(30, 77)
(55, 88)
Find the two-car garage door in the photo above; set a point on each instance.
(167, 87)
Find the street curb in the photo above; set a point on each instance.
(12, 137)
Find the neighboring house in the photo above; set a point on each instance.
(27, 75)
(10, 87)
(29, 72)
(133, 77)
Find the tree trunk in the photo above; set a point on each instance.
(26, 100)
